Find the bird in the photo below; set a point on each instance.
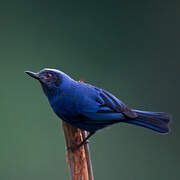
(91, 108)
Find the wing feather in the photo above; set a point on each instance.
(115, 105)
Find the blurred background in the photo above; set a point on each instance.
(130, 48)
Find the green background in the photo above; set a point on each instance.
(130, 48)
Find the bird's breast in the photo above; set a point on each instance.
(65, 106)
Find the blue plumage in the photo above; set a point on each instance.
(91, 108)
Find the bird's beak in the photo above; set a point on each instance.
(32, 74)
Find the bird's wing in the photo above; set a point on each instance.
(102, 110)
(111, 103)
(108, 107)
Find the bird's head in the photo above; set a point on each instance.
(50, 79)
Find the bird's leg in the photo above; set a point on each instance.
(76, 146)
(86, 139)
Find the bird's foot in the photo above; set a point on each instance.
(75, 145)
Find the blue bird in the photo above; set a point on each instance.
(91, 108)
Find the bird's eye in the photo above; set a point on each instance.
(48, 75)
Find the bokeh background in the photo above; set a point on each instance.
(130, 48)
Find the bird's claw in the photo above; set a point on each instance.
(75, 145)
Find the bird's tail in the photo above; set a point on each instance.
(157, 121)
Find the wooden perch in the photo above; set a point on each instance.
(79, 161)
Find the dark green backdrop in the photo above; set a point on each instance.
(127, 47)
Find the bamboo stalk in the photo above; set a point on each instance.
(79, 161)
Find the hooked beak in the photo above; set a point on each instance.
(32, 74)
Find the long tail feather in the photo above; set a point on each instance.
(157, 121)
